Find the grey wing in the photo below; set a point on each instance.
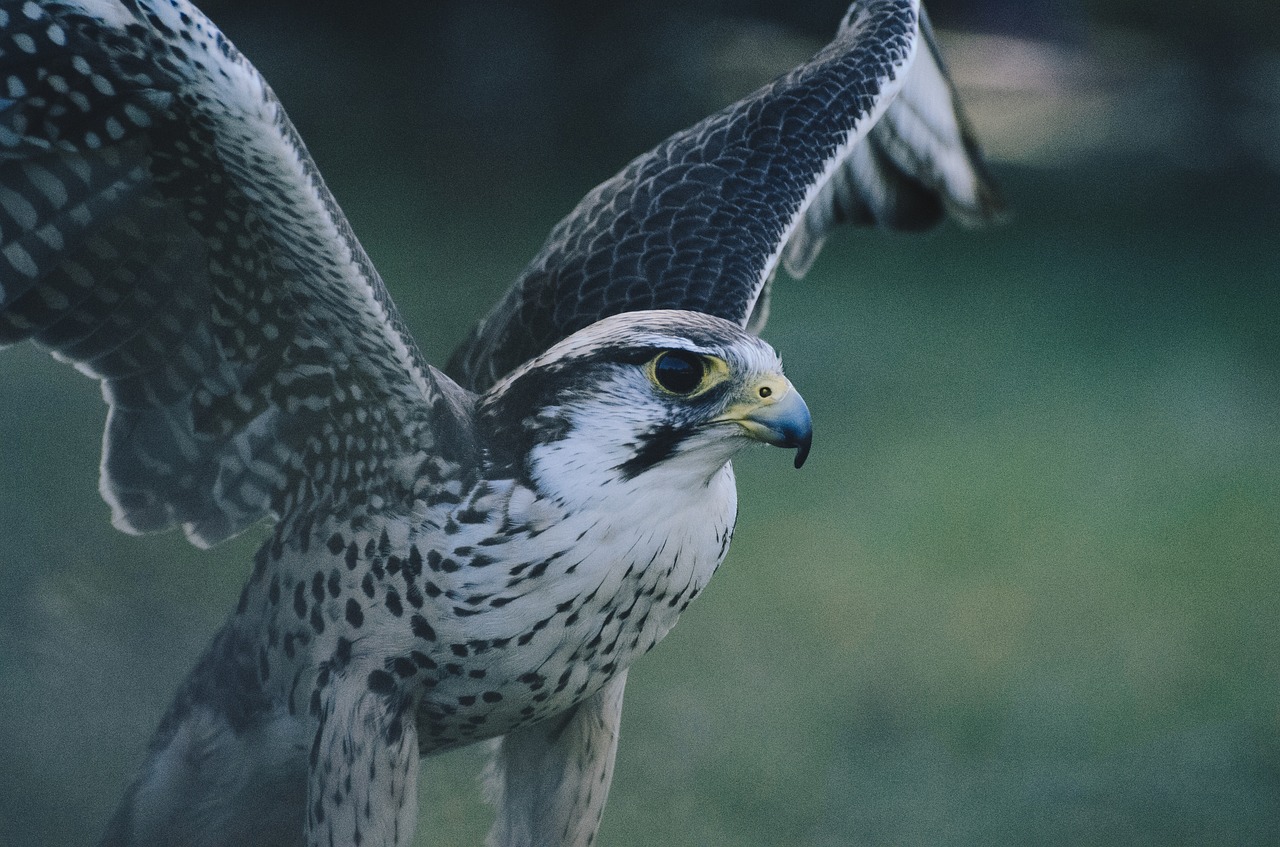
(868, 131)
(163, 228)
(919, 163)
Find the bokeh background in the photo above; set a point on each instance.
(1026, 589)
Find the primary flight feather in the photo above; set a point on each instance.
(449, 561)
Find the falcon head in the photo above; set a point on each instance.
(636, 396)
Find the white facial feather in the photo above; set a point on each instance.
(608, 423)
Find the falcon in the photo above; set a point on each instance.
(452, 558)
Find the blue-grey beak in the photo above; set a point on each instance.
(775, 413)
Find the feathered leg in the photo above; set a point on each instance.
(550, 781)
(363, 784)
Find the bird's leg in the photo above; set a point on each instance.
(363, 784)
(549, 781)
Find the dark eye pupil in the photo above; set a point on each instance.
(678, 372)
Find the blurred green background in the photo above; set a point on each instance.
(1026, 589)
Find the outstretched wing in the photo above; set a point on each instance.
(163, 228)
(869, 131)
(919, 163)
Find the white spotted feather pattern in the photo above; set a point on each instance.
(162, 227)
(446, 564)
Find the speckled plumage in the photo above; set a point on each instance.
(371, 639)
(868, 132)
(447, 564)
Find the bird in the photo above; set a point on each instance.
(474, 553)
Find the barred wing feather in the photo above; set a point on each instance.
(163, 228)
(919, 163)
(868, 131)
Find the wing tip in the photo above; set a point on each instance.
(986, 205)
(155, 518)
(140, 512)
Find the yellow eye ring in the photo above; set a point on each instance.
(682, 373)
(679, 371)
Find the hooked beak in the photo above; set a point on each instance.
(775, 413)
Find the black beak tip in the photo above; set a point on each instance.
(802, 451)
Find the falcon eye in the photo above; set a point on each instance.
(679, 371)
